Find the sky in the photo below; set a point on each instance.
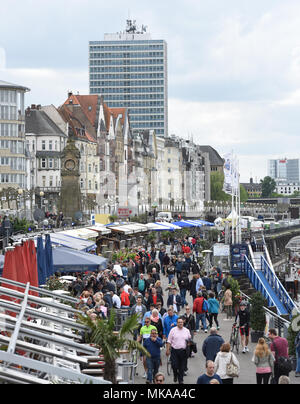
(233, 65)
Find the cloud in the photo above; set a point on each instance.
(47, 86)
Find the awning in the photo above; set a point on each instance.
(66, 259)
(129, 228)
(83, 233)
(157, 227)
(100, 228)
(70, 241)
(170, 226)
(196, 223)
(182, 223)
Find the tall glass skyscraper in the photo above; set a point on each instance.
(129, 70)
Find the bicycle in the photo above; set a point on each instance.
(234, 338)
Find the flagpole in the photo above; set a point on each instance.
(232, 202)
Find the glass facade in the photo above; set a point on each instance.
(131, 72)
(12, 136)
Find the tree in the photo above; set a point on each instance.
(216, 187)
(101, 333)
(243, 194)
(268, 187)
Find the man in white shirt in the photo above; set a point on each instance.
(115, 300)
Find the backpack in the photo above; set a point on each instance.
(141, 285)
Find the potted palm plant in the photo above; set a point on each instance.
(101, 334)
(257, 316)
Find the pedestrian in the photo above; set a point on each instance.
(264, 361)
(280, 349)
(157, 322)
(184, 284)
(224, 358)
(212, 344)
(192, 286)
(189, 320)
(159, 378)
(169, 322)
(145, 333)
(175, 300)
(228, 303)
(213, 310)
(209, 375)
(140, 310)
(153, 345)
(177, 344)
(243, 315)
(297, 348)
(200, 307)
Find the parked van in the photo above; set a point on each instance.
(164, 217)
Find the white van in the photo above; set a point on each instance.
(164, 217)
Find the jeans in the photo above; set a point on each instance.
(152, 368)
(182, 295)
(170, 277)
(298, 361)
(201, 317)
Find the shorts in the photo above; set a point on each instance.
(245, 330)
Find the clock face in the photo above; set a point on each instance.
(70, 165)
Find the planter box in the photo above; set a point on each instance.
(255, 335)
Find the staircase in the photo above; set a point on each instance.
(259, 276)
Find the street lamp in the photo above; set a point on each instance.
(41, 195)
(7, 227)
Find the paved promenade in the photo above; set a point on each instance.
(196, 365)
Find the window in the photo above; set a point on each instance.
(51, 181)
(50, 145)
(43, 163)
(90, 184)
(43, 144)
(81, 183)
(50, 163)
(44, 181)
(90, 168)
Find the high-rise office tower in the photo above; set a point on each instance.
(129, 69)
(284, 170)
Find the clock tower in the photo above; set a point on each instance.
(70, 194)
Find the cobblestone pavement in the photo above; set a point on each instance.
(196, 365)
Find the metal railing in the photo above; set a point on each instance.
(256, 282)
(277, 286)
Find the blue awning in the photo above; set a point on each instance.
(182, 223)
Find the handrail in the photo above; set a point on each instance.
(277, 286)
(256, 282)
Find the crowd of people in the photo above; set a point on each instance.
(167, 320)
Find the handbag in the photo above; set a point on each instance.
(232, 370)
(284, 364)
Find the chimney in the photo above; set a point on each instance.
(70, 94)
(251, 180)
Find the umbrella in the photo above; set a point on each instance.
(49, 257)
(41, 261)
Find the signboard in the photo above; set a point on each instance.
(93, 221)
(124, 212)
(221, 250)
